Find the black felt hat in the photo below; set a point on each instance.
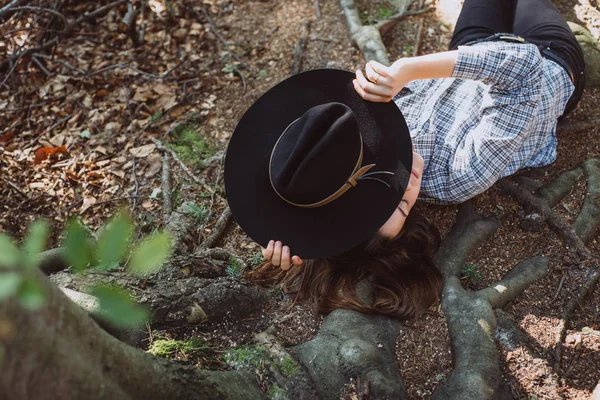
(315, 166)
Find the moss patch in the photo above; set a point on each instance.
(171, 348)
(246, 356)
(288, 366)
(277, 393)
(191, 145)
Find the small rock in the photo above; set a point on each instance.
(567, 260)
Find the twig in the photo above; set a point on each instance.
(563, 229)
(14, 186)
(218, 253)
(37, 139)
(129, 21)
(43, 10)
(418, 38)
(166, 188)
(387, 24)
(136, 184)
(297, 64)
(219, 229)
(222, 40)
(56, 60)
(560, 285)
(241, 75)
(97, 12)
(585, 290)
(7, 8)
(318, 9)
(163, 148)
(41, 66)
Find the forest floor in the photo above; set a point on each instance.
(106, 115)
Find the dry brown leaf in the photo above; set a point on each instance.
(142, 151)
(37, 185)
(154, 165)
(87, 203)
(102, 93)
(50, 153)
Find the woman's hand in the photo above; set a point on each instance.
(381, 83)
(279, 255)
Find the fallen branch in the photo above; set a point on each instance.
(584, 291)
(219, 230)
(8, 8)
(214, 30)
(366, 38)
(129, 24)
(299, 50)
(564, 230)
(185, 168)
(386, 25)
(166, 188)
(317, 9)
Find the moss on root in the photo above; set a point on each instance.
(167, 348)
(246, 356)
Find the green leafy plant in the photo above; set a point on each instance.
(276, 392)
(198, 213)
(191, 145)
(18, 266)
(235, 268)
(246, 356)
(156, 116)
(470, 273)
(288, 366)
(256, 259)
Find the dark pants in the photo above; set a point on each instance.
(537, 21)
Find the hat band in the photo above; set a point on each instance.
(351, 182)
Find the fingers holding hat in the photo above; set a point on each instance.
(280, 255)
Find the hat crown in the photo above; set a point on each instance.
(316, 154)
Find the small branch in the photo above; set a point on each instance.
(9, 7)
(63, 62)
(418, 38)
(317, 9)
(14, 186)
(560, 285)
(300, 46)
(43, 10)
(384, 26)
(166, 188)
(129, 24)
(96, 13)
(555, 222)
(163, 148)
(217, 253)
(219, 229)
(584, 291)
(222, 40)
(41, 66)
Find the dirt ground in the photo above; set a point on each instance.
(211, 85)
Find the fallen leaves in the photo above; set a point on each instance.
(53, 154)
(142, 151)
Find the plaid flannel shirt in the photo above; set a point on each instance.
(496, 115)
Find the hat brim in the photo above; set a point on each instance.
(348, 220)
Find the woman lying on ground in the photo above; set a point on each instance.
(334, 177)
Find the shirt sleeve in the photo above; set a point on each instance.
(502, 65)
(478, 159)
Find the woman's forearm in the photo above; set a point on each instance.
(437, 65)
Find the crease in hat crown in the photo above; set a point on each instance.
(318, 157)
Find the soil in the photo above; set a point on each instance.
(102, 174)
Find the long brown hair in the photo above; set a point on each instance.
(401, 270)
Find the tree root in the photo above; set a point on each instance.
(353, 345)
(219, 230)
(58, 352)
(366, 38)
(179, 301)
(470, 315)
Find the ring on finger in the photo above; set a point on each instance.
(376, 79)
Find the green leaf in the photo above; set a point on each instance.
(31, 294)
(9, 254)
(117, 307)
(9, 284)
(35, 242)
(85, 134)
(150, 254)
(76, 246)
(114, 241)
